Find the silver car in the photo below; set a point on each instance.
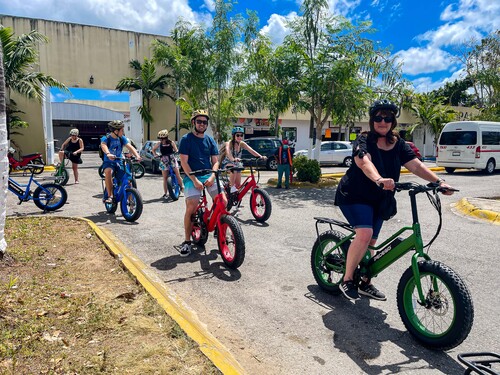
(333, 152)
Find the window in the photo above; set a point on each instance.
(491, 138)
(340, 146)
(325, 147)
(467, 138)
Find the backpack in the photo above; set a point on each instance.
(101, 152)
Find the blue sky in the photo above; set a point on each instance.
(424, 34)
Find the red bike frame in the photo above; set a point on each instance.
(230, 239)
(15, 164)
(259, 199)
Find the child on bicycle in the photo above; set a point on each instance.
(72, 147)
(168, 149)
(234, 149)
(112, 145)
(197, 151)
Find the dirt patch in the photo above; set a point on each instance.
(67, 307)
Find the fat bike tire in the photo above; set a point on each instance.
(445, 319)
(260, 205)
(131, 204)
(173, 187)
(50, 197)
(110, 207)
(199, 232)
(40, 165)
(62, 177)
(139, 170)
(231, 242)
(328, 270)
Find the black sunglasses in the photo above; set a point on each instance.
(238, 135)
(202, 122)
(386, 119)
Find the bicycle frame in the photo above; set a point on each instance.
(125, 181)
(389, 250)
(23, 191)
(249, 183)
(211, 216)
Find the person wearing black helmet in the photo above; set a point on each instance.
(378, 156)
(112, 145)
(197, 151)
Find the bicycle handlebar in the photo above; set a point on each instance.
(419, 188)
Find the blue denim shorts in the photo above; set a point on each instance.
(362, 216)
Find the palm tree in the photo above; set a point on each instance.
(150, 84)
(3, 161)
(431, 114)
(20, 57)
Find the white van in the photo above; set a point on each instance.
(469, 144)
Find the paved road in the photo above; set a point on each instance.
(270, 313)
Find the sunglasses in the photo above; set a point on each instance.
(386, 119)
(239, 135)
(202, 122)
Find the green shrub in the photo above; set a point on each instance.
(307, 170)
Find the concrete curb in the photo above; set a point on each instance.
(173, 305)
(464, 206)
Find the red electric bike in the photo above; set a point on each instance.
(260, 201)
(226, 228)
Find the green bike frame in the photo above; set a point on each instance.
(389, 250)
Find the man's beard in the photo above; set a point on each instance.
(200, 132)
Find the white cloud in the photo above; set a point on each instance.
(424, 60)
(276, 28)
(469, 19)
(426, 84)
(210, 5)
(147, 16)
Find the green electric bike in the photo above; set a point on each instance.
(433, 301)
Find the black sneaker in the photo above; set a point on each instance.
(349, 290)
(185, 248)
(370, 291)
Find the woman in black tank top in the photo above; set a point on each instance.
(73, 146)
(167, 150)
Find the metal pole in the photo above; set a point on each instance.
(177, 115)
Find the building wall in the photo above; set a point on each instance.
(73, 54)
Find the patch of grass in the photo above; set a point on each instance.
(66, 306)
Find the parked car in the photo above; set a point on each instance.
(415, 150)
(148, 158)
(266, 146)
(333, 152)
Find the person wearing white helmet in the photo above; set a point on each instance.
(234, 149)
(197, 151)
(167, 150)
(73, 147)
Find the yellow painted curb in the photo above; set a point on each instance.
(466, 208)
(173, 305)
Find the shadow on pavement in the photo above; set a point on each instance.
(208, 269)
(359, 330)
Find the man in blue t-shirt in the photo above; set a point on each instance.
(112, 145)
(197, 151)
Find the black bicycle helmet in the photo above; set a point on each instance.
(383, 104)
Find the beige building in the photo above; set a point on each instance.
(80, 56)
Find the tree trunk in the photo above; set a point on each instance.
(3, 158)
